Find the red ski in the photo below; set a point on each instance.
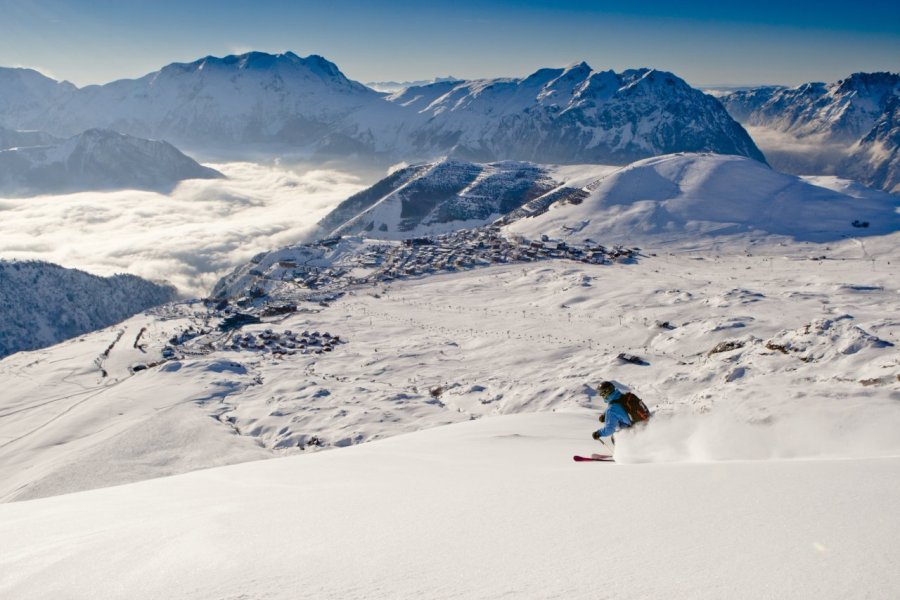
(594, 457)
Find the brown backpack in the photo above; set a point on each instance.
(634, 406)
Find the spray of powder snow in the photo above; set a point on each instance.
(721, 435)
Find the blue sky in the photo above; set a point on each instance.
(704, 42)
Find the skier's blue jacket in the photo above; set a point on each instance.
(616, 416)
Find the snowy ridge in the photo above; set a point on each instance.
(43, 304)
(27, 95)
(251, 99)
(96, 159)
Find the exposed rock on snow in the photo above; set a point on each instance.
(97, 160)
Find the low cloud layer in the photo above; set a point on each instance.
(812, 155)
(189, 237)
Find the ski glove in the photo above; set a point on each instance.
(596, 435)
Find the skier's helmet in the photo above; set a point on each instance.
(606, 388)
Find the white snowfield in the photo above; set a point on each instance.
(493, 508)
(771, 468)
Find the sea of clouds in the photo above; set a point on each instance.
(189, 237)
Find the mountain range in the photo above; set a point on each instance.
(846, 128)
(283, 101)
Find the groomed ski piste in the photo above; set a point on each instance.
(428, 453)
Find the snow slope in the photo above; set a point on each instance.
(97, 159)
(489, 509)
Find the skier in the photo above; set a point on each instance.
(622, 411)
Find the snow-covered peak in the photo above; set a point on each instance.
(97, 159)
(262, 65)
(25, 94)
(571, 115)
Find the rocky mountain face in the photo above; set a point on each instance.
(96, 159)
(43, 304)
(875, 159)
(573, 115)
(843, 111)
(283, 101)
(436, 198)
(842, 128)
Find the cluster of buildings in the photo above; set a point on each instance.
(284, 342)
(483, 246)
(460, 250)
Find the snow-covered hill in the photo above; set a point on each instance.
(436, 198)
(306, 105)
(42, 304)
(692, 196)
(96, 159)
(840, 128)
